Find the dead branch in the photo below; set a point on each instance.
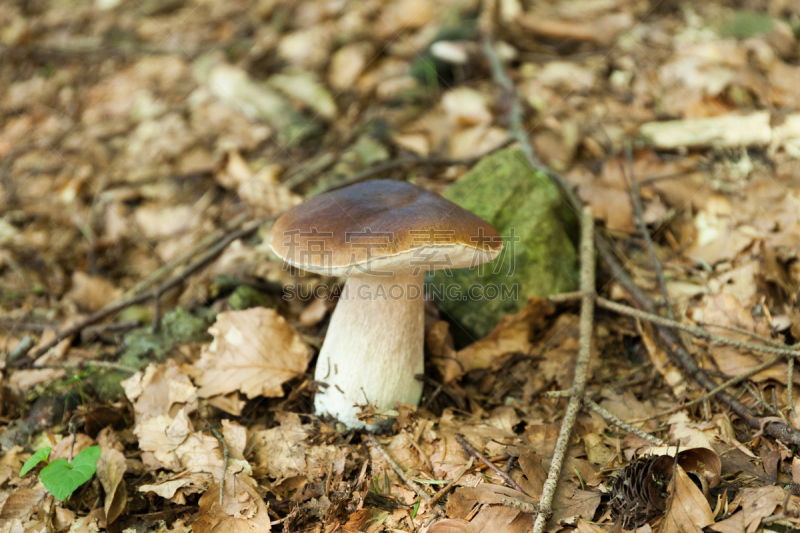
(470, 449)
(407, 480)
(441, 492)
(225, 458)
(581, 368)
(694, 330)
(638, 213)
(710, 394)
(201, 262)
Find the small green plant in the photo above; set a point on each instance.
(62, 477)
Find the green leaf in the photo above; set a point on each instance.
(62, 478)
(34, 460)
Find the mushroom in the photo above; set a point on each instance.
(383, 236)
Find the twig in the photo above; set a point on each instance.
(202, 261)
(114, 327)
(710, 394)
(99, 364)
(441, 492)
(622, 424)
(156, 313)
(413, 160)
(225, 458)
(638, 212)
(581, 367)
(408, 481)
(608, 416)
(694, 330)
(20, 349)
(753, 334)
(789, 387)
(470, 449)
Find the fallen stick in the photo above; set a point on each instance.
(407, 480)
(609, 417)
(581, 368)
(710, 394)
(694, 330)
(470, 449)
(204, 260)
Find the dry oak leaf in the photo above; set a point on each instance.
(254, 351)
(242, 510)
(110, 469)
(689, 511)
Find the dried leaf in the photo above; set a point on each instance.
(110, 469)
(254, 351)
(242, 510)
(689, 511)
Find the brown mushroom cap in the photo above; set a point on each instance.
(382, 225)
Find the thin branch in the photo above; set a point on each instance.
(694, 330)
(621, 423)
(225, 458)
(88, 364)
(20, 349)
(470, 449)
(441, 492)
(201, 262)
(407, 480)
(710, 394)
(789, 387)
(581, 368)
(638, 213)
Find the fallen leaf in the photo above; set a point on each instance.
(242, 510)
(110, 470)
(254, 351)
(758, 503)
(689, 511)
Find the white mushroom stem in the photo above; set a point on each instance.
(373, 349)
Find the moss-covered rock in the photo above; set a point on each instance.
(538, 229)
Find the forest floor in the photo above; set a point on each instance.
(146, 147)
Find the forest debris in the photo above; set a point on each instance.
(254, 351)
(241, 510)
(727, 310)
(728, 131)
(160, 390)
(689, 511)
(348, 63)
(602, 30)
(234, 87)
(285, 451)
(512, 335)
(304, 87)
(111, 467)
(92, 292)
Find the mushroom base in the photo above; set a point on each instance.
(373, 350)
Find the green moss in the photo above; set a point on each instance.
(524, 206)
(744, 24)
(245, 297)
(141, 346)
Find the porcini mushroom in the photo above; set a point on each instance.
(383, 236)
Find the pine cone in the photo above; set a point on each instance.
(640, 490)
